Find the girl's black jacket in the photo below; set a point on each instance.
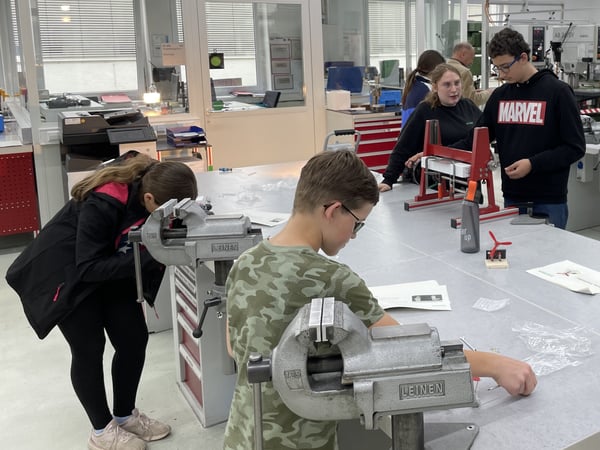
(83, 247)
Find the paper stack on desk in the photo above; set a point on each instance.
(420, 295)
(573, 276)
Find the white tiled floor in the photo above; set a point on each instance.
(39, 408)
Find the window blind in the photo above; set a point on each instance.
(178, 11)
(387, 27)
(83, 30)
(230, 28)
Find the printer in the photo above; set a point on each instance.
(90, 138)
(51, 107)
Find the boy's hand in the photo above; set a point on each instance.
(518, 169)
(517, 377)
(383, 187)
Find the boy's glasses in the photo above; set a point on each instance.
(504, 68)
(358, 224)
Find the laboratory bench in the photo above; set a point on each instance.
(419, 245)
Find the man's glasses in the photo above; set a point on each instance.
(504, 68)
(358, 224)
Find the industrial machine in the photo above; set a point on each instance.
(397, 371)
(576, 50)
(591, 129)
(202, 246)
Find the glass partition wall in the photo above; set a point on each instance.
(102, 50)
(255, 49)
(383, 33)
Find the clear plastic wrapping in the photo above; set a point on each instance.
(490, 305)
(554, 349)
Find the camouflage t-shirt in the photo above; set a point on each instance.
(266, 288)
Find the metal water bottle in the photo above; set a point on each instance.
(469, 227)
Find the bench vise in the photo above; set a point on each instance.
(383, 371)
(397, 371)
(202, 236)
(186, 234)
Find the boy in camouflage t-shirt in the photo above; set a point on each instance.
(269, 284)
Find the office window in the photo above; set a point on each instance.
(94, 42)
(262, 49)
(387, 31)
(230, 28)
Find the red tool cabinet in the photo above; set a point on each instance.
(378, 134)
(205, 373)
(18, 197)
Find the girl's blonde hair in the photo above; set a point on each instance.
(164, 180)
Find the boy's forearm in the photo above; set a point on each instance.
(517, 377)
(481, 363)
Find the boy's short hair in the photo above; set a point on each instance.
(335, 175)
(508, 42)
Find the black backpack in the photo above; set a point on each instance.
(44, 274)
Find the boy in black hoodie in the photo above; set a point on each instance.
(534, 119)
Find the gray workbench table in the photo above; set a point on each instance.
(397, 246)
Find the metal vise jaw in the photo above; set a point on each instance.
(383, 371)
(204, 237)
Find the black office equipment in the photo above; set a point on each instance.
(67, 101)
(126, 135)
(162, 73)
(89, 138)
(271, 99)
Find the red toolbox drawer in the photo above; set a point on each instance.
(187, 338)
(192, 375)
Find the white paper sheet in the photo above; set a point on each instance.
(420, 295)
(570, 275)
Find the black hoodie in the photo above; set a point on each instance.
(538, 120)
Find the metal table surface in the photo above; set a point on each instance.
(397, 246)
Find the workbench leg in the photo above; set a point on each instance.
(408, 432)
